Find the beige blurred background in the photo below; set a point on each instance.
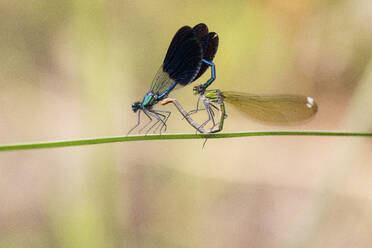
(71, 69)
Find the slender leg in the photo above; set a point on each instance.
(138, 122)
(163, 121)
(158, 117)
(159, 123)
(210, 118)
(214, 106)
(217, 109)
(167, 113)
(210, 105)
(197, 107)
(153, 125)
(148, 116)
(210, 113)
(205, 142)
(163, 125)
(158, 120)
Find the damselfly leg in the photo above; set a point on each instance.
(138, 123)
(161, 120)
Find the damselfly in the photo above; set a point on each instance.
(190, 53)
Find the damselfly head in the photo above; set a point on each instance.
(136, 106)
(198, 89)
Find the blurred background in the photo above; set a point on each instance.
(72, 69)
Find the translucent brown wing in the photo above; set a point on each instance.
(273, 109)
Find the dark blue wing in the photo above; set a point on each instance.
(184, 56)
(210, 45)
(183, 61)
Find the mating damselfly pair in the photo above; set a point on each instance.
(189, 55)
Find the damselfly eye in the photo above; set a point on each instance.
(136, 106)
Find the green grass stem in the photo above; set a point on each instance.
(113, 139)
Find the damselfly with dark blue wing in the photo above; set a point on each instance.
(190, 53)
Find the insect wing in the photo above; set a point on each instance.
(184, 56)
(161, 82)
(273, 109)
